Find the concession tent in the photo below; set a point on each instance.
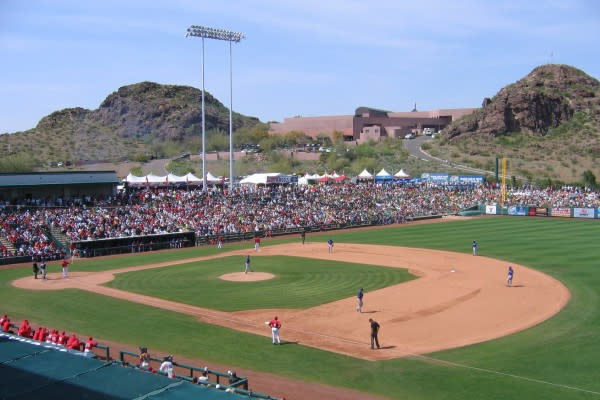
(337, 178)
(170, 179)
(365, 175)
(258, 179)
(324, 178)
(383, 176)
(402, 175)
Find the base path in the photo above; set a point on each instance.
(457, 300)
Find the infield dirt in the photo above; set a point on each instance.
(458, 300)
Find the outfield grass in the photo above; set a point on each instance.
(298, 283)
(563, 350)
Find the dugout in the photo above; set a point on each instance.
(134, 244)
(30, 370)
(56, 188)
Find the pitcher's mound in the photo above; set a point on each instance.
(249, 277)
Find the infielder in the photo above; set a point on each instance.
(248, 268)
(509, 276)
(359, 298)
(275, 325)
(330, 244)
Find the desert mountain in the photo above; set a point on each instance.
(547, 125)
(129, 120)
(549, 96)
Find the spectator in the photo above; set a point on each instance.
(25, 329)
(73, 343)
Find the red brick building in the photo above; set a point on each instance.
(370, 124)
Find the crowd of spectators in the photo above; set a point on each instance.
(251, 209)
(45, 335)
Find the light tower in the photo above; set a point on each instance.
(231, 37)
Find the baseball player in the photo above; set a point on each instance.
(248, 268)
(303, 236)
(474, 248)
(257, 244)
(330, 244)
(359, 298)
(275, 324)
(374, 333)
(65, 268)
(509, 276)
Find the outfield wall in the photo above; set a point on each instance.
(534, 211)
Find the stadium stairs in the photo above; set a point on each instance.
(60, 239)
(8, 244)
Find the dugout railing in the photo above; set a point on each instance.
(240, 386)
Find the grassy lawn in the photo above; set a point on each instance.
(298, 282)
(560, 352)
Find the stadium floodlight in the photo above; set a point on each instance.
(231, 37)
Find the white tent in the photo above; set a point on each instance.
(211, 178)
(132, 179)
(402, 175)
(191, 178)
(257, 179)
(383, 174)
(365, 175)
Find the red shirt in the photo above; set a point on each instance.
(6, 326)
(62, 338)
(90, 343)
(64, 263)
(257, 240)
(25, 329)
(73, 343)
(274, 323)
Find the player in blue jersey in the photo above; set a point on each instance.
(510, 275)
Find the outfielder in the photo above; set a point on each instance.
(474, 248)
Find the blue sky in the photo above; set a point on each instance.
(299, 57)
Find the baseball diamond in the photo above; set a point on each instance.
(439, 306)
(440, 309)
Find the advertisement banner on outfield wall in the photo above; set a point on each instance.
(583, 212)
(538, 212)
(517, 210)
(561, 212)
(490, 209)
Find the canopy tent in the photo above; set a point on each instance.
(365, 175)
(258, 179)
(401, 175)
(337, 178)
(170, 179)
(383, 175)
(324, 178)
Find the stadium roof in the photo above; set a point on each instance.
(38, 371)
(59, 178)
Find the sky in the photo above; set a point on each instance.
(305, 57)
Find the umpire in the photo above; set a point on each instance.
(374, 332)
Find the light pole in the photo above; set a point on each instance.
(230, 36)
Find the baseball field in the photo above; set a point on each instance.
(535, 340)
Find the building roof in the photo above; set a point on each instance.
(59, 178)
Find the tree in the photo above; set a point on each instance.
(589, 179)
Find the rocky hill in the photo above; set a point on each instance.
(130, 120)
(549, 96)
(547, 125)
